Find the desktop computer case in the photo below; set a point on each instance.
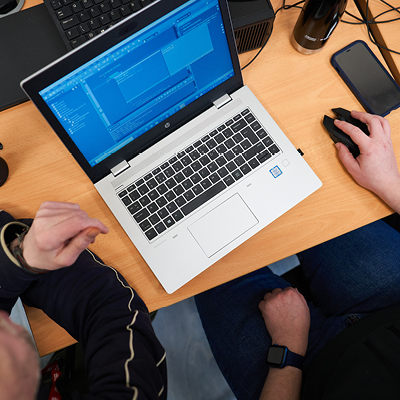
(252, 22)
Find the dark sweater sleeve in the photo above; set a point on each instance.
(13, 280)
(94, 303)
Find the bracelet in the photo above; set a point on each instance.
(17, 252)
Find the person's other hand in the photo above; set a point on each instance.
(58, 235)
(287, 318)
(376, 166)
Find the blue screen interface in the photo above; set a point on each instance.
(118, 96)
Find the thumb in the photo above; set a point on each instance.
(346, 158)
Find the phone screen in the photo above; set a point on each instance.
(377, 91)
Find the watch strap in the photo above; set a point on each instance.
(294, 359)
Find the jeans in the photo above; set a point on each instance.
(349, 277)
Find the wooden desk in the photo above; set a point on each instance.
(386, 34)
(296, 89)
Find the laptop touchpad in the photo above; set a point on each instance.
(223, 225)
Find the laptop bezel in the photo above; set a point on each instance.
(66, 64)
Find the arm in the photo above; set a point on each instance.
(94, 304)
(287, 319)
(376, 167)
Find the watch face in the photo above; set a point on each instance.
(276, 355)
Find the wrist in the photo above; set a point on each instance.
(17, 249)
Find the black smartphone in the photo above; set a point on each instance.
(367, 78)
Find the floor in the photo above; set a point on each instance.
(192, 371)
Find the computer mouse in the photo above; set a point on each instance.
(3, 171)
(337, 135)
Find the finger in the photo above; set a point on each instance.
(356, 134)
(57, 205)
(68, 255)
(347, 158)
(372, 120)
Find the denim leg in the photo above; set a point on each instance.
(236, 331)
(358, 272)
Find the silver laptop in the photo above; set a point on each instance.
(187, 159)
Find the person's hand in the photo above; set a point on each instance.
(59, 233)
(376, 167)
(287, 318)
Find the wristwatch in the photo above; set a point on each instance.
(281, 356)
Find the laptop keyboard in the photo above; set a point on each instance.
(179, 186)
(81, 20)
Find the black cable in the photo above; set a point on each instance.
(367, 22)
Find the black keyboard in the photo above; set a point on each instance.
(173, 190)
(81, 20)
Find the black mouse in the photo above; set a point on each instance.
(337, 135)
(3, 171)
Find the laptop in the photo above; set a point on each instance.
(187, 159)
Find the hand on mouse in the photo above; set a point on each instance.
(376, 167)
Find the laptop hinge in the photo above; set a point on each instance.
(119, 168)
(222, 101)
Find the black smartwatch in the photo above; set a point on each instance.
(281, 356)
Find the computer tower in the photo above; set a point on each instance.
(252, 22)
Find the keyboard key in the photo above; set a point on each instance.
(245, 169)
(171, 207)
(105, 7)
(94, 12)
(273, 149)
(145, 225)
(178, 190)
(72, 33)
(153, 207)
(264, 156)
(123, 193)
(144, 201)
(205, 184)
(105, 19)
(249, 118)
(126, 200)
(154, 219)
(180, 201)
(84, 28)
(160, 227)
(188, 195)
(78, 41)
(151, 234)
(94, 24)
(228, 180)
(115, 3)
(239, 125)
(177, 215)
(162, 213)
(169, 221)
(267, 141)
(152, 183)
(87, 3)
(64, 12)
(70, 22)
(134, 195)
(162, 189)
(136, 5)
(249, 134)
(141, 215)
(237, 174)
(115, 15)
(161, 202)
(170, 196)
(254, 163)
(143, 189)
(56, 4)
(256, 125)
(203, 198)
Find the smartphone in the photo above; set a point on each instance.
(367, 78)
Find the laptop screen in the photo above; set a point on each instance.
(124, 92)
